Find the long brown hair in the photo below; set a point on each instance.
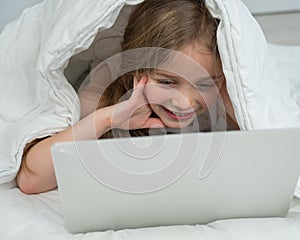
(164, 24)
(158, 23)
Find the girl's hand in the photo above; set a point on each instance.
(135, 112)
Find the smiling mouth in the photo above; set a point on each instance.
(178, 115)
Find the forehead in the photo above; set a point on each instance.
(163, 74)
(185, 74)
(202, 56)
(191, 63)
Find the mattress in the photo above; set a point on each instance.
(41, 217)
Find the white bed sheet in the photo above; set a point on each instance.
(41, 217)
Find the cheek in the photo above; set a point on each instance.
(208, 98)
(155, 94)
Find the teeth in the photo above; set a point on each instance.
(180, 114)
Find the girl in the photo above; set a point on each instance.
(159, 97)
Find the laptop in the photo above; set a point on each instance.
(192, 178)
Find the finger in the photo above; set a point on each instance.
(138, 90)
(142, 80)
(154, 123)
(135, 81)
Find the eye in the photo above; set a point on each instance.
(206, 85)
(166, 82)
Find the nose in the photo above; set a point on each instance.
(184, 100)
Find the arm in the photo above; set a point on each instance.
(40, 176)
(130, 114)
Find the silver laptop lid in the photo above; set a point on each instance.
(190, 178)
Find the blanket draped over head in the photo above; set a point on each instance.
(37, 100)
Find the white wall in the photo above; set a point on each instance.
(269, 6)
(281, 28)
(11, 9)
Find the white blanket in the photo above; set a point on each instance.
(36, 100)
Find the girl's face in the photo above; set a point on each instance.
(177, 100)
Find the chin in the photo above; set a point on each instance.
(178, 125)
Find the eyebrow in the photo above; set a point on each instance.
(214, 77)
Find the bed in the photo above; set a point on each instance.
(40, 217)
(65, 29)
